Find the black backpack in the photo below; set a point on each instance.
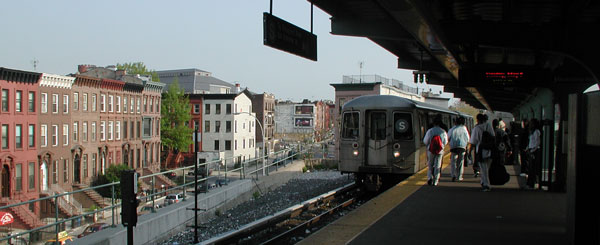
(488, 142)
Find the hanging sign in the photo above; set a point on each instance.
(282, 35)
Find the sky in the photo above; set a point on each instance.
(224, 37)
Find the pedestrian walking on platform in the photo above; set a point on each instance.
(459, 139)
(503, 146)
(483, 138)
(534, 153)
(435, 140)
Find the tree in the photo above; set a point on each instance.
(138, 68)
(111, 175)
(175, 114)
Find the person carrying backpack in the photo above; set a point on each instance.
(483, 138)
(459, 139)
(435, 139)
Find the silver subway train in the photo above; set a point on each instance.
(381, 137)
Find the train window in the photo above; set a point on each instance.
(377, 126)
(403, 129)
(350, 125)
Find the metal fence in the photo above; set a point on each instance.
(250, 168)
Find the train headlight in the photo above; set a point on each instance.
(396, 154)
(355, 153)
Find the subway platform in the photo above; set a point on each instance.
(413, 212)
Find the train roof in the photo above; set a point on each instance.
(387, 101)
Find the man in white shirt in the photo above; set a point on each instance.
(484, 155)
(459, 139)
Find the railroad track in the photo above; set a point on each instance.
(285, 226)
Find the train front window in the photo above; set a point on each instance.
(377, 126)
(350, 125)
(403, 129)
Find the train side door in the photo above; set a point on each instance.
(376, 138)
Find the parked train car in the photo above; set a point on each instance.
(381, 137)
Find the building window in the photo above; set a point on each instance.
(84, 167)
(228, 127)
(217, 126)
(84, 130)
(19, 136)
(228, 145)
(76, 101)
(216, 145)
(124, 129)
(145, 104)
(131, 105)
(102, 131)
(44, 135)
(218, 109)
(84, 103)
(207, 109)
(131, 130)
(31, 175)
(19, 179)
(54, 103)
(18, 101)
(228, 109)
(151, 104)
(147, 127)
(31, 100)
(31, 131)
(138, 106)
(75, 131)
(206, 126)
(118, 130)
(110, 103)
(5, 100)
(65, 170)
(110, 130)
(44, 102)
(118, 104)
(4, 136)
(125, 104)
(55, 172)
(94, 167)
(102, 103)
(54, 135)
(196, 108)
(93, 129)
(65, 103)
(65, 134)
(94, 102)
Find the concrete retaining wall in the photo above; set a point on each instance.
(170, 220)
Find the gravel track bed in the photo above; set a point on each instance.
(299, 189)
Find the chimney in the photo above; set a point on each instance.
(237, 88)
(121, 73)
(82, 68)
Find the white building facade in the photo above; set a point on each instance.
(229, 126)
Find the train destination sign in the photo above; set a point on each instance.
(282, 35)
(507, 77)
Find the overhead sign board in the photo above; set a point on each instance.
(282, 35)
(503, 78)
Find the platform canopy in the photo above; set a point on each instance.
(492, 54)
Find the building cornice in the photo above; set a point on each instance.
(56, 81)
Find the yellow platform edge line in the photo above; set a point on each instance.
(345, 229)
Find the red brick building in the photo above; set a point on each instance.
(19, 168)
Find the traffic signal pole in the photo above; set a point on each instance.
(129, 202)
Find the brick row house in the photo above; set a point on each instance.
(60, 132)
(19, 166)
